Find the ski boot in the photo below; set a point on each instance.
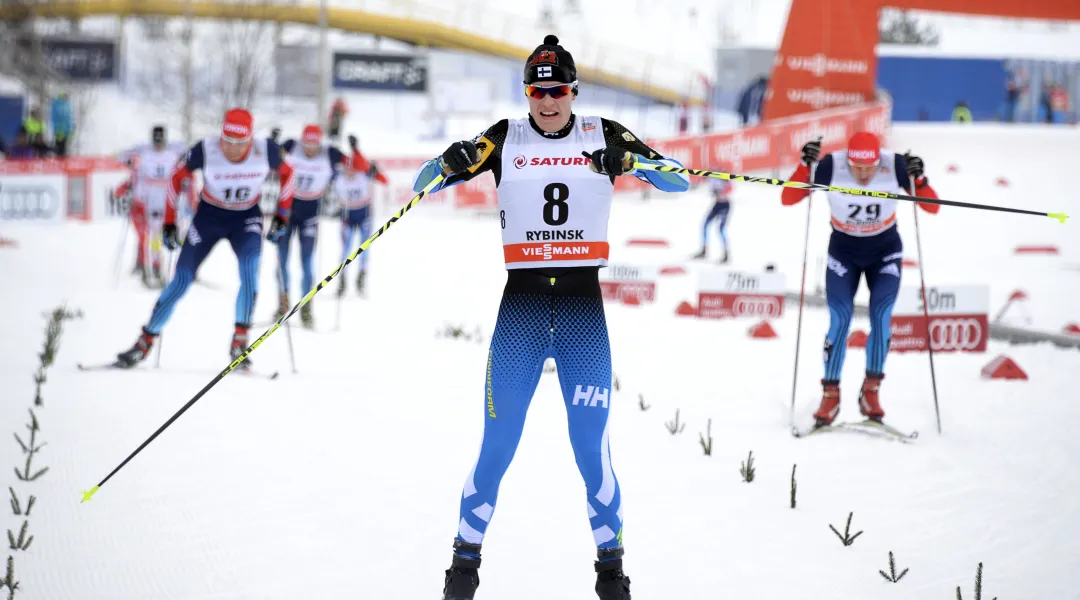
(830, 404)
(283, 306)
(462, 578)
(238, 345)
(701, 254)
(869, 405)
(724, 257)
(611, 582)
(138, 352)
(342, 288)
(307, 318)
(360, 282)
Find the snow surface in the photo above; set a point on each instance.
(343, 480)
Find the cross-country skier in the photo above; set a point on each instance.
(864, 242)
(234, 168)
(353, 190)
(553, 209)
(721, 192)
(151, 164)
(314, 165)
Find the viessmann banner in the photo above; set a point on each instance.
(391, 72)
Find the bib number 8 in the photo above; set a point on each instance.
(555, 195)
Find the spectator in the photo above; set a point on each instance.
(21, 149)
(33, 126)
(1013, 88)
(684, 117)
(63, 123)
(961, 113)
(752, 100)
(337, 117)
(1059, 103)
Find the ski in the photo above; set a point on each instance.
(868, 427)
(101, 367)
(116, 365)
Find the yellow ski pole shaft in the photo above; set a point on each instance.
(813, 187)
(88, 495)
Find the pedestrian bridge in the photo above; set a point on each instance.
(448, 25)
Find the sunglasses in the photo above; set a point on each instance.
(555, 91)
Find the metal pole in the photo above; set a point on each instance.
(320, 110)
(189, 95)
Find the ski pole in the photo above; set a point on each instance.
(817, 187)
(120, 250)
(88, 495)
(288, 330)
(168, 279)
(926, 310)
(798, 327)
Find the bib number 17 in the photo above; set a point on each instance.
(556, 210)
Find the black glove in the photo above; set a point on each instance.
(610, 161)
(170, 238)
(459, 157)
(353, 143)
(915, 166)
(811, 152)
(277, 228)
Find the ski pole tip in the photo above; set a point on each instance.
(1059, 216)
(87, 496)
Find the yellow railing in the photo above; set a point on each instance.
(421, 23)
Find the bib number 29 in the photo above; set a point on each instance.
(556, 210)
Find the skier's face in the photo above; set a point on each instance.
(311, 150)
(862, 173)
(550, 103)
(235, 151)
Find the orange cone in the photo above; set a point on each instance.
(1018, 295)
(762, 331)
(686, 309)
(1036, 250)
(1003, 367)
(857, 339)
(631, 301)
(654, 242)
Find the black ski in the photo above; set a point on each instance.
(868, 427)
(119, 366)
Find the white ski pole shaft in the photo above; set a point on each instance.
(120, 250)
(288, 330)
(926, 312)
(802, 296)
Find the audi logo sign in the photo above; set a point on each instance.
(756, 306)
(28, 202)
(729, 305)
(955, 334)
(950, 333)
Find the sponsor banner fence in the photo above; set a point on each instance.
(727, 293)
(54, 190)
(621, 281)
(959, 319)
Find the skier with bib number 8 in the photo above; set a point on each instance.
(864, 242)
(555, 173)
